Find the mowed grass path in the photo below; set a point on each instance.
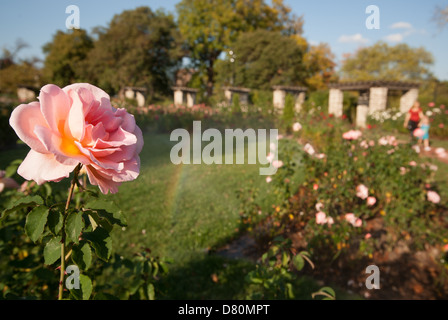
(180, 211)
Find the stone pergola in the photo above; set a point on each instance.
(242, 92)
(280, 93)
(26, 93)
(185, 96)
(135, 93)
(372, 97)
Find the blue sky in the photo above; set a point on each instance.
(341, 24)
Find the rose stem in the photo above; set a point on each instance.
(67, 204)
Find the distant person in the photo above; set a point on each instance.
(424, 125)
(413, 117)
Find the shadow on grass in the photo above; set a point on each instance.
(213, 277)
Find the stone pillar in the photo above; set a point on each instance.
(378, 99)
(140, 99)
(335, 102)
(279, 99)
(178, 97)
(362, 109)
(129, 94)
(191, 99)
(299, 101)
(408, 99)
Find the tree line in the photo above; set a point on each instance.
(249, 43)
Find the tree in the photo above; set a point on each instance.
(384, 62)
(211, 26)
(64, 55)
(441, 16)
(266, 58)
(15, 72)
(138, 48)
(319, 63)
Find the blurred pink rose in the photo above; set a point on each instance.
(277, 163)
(296, 126)
(352, 135)
(357, 223)
(412, 163)
(445, 248)
(418, 133)
(371, 201)
(441, 125)
(350, 217)
(268, 179)
(402, 170)
(433, 196)
(319, 206)
(362, 191)
(270, 156)
(77, 124)
(367, 236)
(315, 186)
(321, 218)
(8, 183)
(330, 221)
(431, 104)
(309, 149)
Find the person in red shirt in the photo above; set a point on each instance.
(413, 117)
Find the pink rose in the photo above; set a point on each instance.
(433, 196)
(330, 221)
(319, 206)
(296, 126)
(371, 201)
(270, 156)
(321, 218)
(445, 248)
(77, 124)
(367, 236)
(352, 135)
(431, 104)
(315, 186)
(309, 149)
(418, 133)
(6, 182)
(268, 179)
(412, 163)
(362, 191)
(277, 163)
(350, 217)
(357, 223)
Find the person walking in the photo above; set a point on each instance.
(413, 117)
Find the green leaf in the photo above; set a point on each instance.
(12, 168)
(22, 203)
(97, 220)
(82, 255)
(73, 226)
(35, 222)
(135, 285)
(108, 210)
(52, 251)
(101, 241)
(150, 291)
(299, 262)
(55, 221)
(85, 288)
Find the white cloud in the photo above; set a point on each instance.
(395, 37)
(401, 25)
(355, 38)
